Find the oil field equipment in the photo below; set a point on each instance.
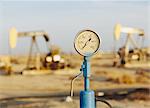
(13, 36)
(52, 60)
(124, 52)
(86, 43)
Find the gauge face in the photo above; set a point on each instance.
(87, 42)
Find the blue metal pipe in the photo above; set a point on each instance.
(86, 83)
(87, 97)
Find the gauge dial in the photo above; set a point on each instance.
(87, 42)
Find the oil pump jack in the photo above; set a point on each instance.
(125, 53)
(52, 60)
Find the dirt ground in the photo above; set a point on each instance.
(57, 103)
(104, 76)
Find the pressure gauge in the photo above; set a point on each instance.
(87, 42)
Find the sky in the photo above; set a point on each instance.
(62, 20)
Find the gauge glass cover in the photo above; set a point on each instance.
(87, 43)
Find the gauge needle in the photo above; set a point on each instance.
(86, 43)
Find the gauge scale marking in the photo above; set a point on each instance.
(87, 43)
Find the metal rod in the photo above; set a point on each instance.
(86, 84)
(86, 73)
(72, 82)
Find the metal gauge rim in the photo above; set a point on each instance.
(99, 42)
